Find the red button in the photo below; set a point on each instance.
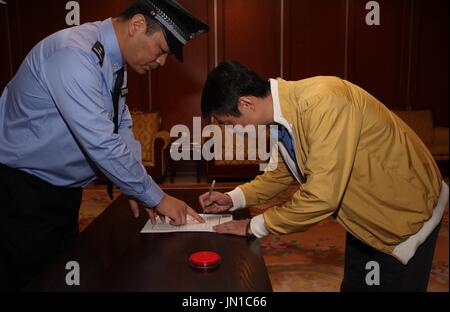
(205, 259)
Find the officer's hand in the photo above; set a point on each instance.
(152, 214)
(218, 202)
(134, 205)
(176, 210)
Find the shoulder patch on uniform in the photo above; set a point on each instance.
(99, 50)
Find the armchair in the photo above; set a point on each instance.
(154, 142)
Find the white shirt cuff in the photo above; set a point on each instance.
(258, 226)
(238, 198)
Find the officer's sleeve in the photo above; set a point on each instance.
(75, 85)
(126, 132)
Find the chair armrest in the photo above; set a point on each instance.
(161, 141)
(441, 135)
(164, 135)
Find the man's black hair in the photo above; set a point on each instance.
(226, 84)
(137, 8)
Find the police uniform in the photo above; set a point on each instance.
(57, 132)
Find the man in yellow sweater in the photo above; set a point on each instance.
(353, 160)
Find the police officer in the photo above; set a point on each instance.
(63, 120)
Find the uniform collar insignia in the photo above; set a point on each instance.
(99, 50)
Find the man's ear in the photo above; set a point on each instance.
(246, 103)
(137, 24)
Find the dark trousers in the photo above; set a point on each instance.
(37, 221)
(394, 276)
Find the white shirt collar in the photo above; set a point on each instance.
(277, 114)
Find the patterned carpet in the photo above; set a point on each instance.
(302, 262)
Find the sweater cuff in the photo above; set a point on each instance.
(238, 198)
(258, 227)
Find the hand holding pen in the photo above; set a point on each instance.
(211, 188)
(215, 202)
(208, 200)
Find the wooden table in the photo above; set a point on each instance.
(114, 256)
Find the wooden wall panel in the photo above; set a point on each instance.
(101, 9)
(377, 58)
(6, 70)
(314, 38)
(176, 87)
(32, 21)
(249, 32)
(138, 97)
(430, 61)
(403, 62)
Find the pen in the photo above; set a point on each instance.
(211, 188)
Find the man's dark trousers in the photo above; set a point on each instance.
(37, 221)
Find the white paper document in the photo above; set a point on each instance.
(191, 225)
